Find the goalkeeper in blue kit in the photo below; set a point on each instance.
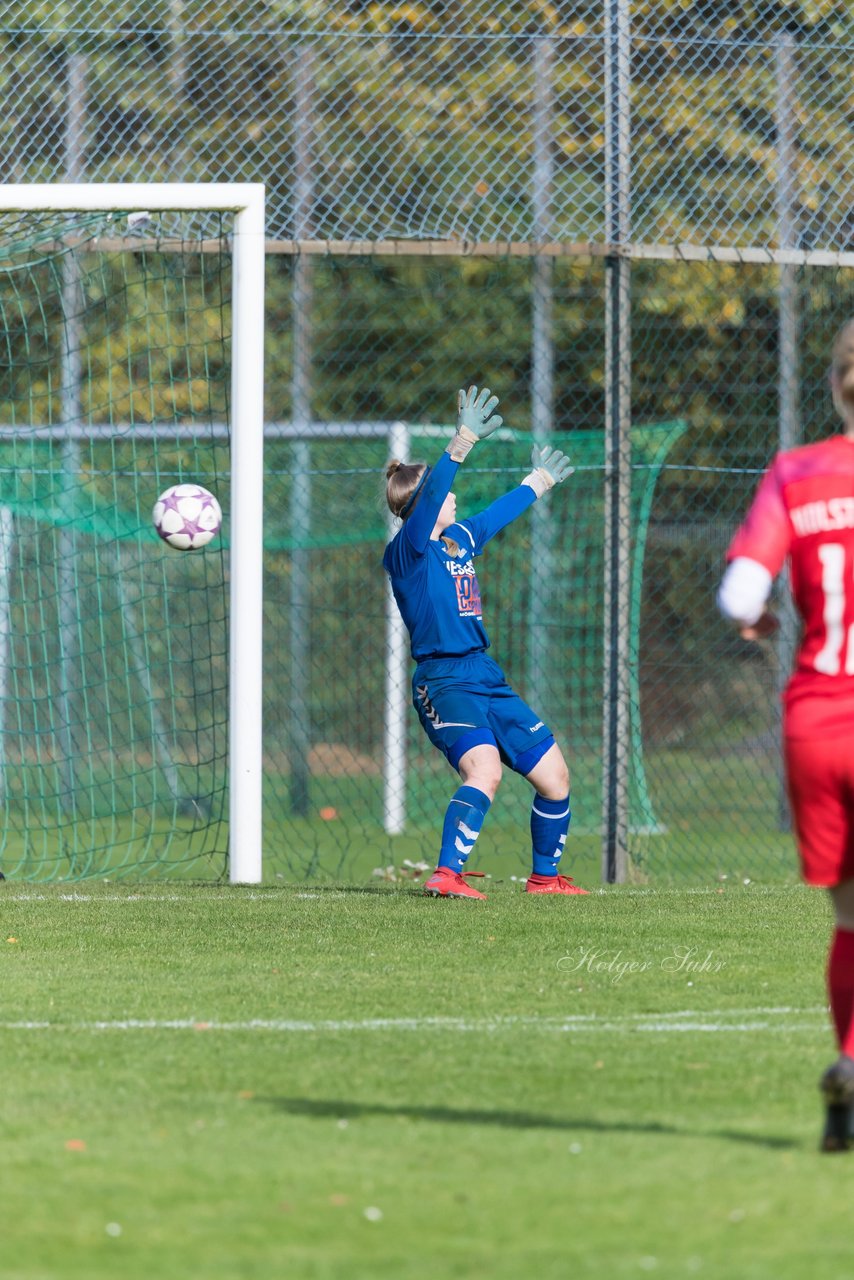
(466, 707)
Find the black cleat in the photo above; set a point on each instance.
(837, 1085)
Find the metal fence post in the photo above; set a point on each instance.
(788, 378)
(396, 681)
(542, 378)
(300, 602)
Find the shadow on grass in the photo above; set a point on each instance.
(338, 1109)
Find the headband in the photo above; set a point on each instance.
(404, 510)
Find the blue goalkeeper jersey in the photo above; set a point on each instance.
(434, 580)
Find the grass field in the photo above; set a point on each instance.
(327, 1083)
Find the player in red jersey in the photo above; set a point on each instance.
(803, 511)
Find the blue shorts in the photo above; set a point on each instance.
(465, 702)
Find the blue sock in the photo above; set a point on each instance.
(463, 821)
(549, 825)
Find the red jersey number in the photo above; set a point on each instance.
(834, 580)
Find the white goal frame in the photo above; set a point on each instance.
(245, 200)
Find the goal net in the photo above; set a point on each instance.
(118, 378)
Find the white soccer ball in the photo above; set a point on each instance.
(187, 516)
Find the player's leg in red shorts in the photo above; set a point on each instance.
(820, 779)
(820, 775)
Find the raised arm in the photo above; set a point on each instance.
(434, 487)
(550, 467)
(475, 421)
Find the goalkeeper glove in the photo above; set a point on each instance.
(473, 421)
(550, 468)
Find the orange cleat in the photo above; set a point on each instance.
(552, 884)
(446, 883)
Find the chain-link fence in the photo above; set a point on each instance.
(624, 219)
(481, 122)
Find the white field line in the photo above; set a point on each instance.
(271, 895)
(276, 893)
(716, 1021)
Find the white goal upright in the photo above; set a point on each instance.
(132, 331)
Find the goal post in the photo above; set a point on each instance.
(243, 204)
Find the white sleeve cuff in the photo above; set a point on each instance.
(744, 591)
(537, 481)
